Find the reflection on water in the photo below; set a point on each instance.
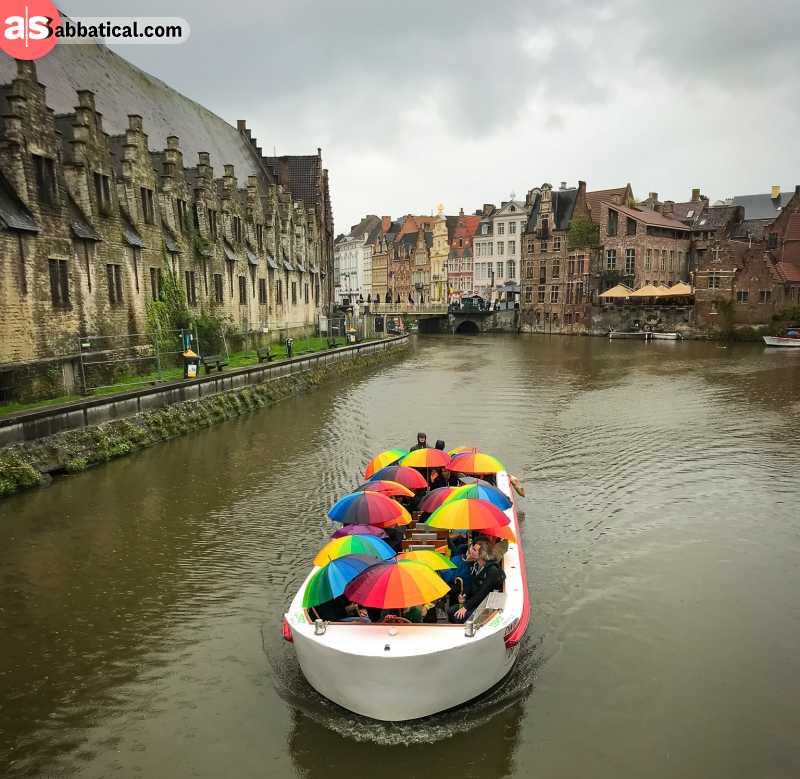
(140, 603)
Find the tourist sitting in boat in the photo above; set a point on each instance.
(488, 576)
(439, 445)
(422, 442)
(440, 478)
(355, 613)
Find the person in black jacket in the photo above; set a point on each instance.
(488, 576)
(422, 442)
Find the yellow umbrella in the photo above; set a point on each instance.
(649, 291)
(679, 289)
(620, 291)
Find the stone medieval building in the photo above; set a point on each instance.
(113, 185)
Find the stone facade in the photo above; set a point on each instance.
(352, 261)
(555, 276)
(746, 282)
(93, 223)
(497, 246)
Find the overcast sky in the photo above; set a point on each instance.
(417, 103)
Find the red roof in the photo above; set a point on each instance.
(594, 199)
(788, 272)
(650, 217)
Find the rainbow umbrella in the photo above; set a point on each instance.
(426, 458)
(383, 459)
(500, 532)
(469, 513)
(330, 580)
(474, 480)
(481, 492)
(476, 462)
(361, 545)
(408, 477)
(435, 498)
(462, 450)
(359, 530)
(365, 508)
(396, 584)
(388, 488)
(434, 560)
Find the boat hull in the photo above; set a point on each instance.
(664, 336)
(774, 340)
(404, 687)
(614, 335)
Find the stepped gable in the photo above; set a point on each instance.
(122, 89)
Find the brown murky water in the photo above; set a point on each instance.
(140, 603)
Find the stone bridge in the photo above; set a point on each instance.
(438, 318)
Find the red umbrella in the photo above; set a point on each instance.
(408, 477)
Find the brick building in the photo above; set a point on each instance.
(95, 216)
(460, 258)
(747, 281)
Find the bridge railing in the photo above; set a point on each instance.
(408, 308)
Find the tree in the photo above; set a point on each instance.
(583, 232)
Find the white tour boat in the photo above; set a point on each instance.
(396, 672)
(665, 336)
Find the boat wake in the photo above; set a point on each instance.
(291, 685)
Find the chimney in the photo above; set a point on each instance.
(776, 192)
(797, 189)
(563, 185)
(668, 208)
(461, 212)
(657, 207)
(696, 195)
(653, 198)
(386, 223)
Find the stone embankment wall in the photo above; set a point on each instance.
(32, 463)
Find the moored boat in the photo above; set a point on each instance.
(627, 334)
(665, 336)
(403, 671)
(782, 340)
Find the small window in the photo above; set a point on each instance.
(237, 229)
(581, 264)
(742, 296)
(306, 296)
(648, 259)
(690, 213)
(242, 291)
(663, 263)
(613, 221)
(218, 293)
(556, 243)
(181, 214)
(512, 247)
(772, 241)
(102, 193)
(501, 228)
(191, 288)
(543, 246)
(212, 223)
(155, 283)
(148, 211)
(528, 295)
(294, 293)
(554, 294)
(540, 293)
(556, 269)
(279, 292)
(45, 179)
(500, 248)
(114, 277)
(764, 296)
(542, 273)
(630, 226)
(713, 280)
(630, 261)
(59, 283)
(196, 215)
(260, 237)
(512, 228)
(262, 292)
(611, 259)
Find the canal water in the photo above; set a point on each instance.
(140, 603)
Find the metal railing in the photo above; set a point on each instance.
(408, 308)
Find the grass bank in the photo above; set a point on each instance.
(33, 463)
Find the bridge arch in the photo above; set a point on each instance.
(467, 327)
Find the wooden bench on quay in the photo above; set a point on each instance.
(212, 361)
